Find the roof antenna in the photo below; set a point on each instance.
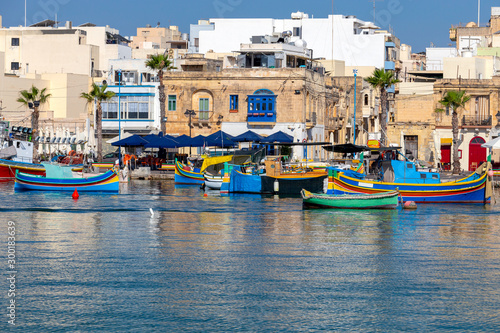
(478, 11)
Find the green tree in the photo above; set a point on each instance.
(382, 80)
(98, 94)
(454, 100)
(160, 63)
(33, 98)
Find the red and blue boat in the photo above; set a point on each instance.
(423, 187)
(106, 182)
(9, 168)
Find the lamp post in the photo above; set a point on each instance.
(355, 71)
(119, 115)
(189, 113)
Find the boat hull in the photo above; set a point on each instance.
(471, 189)
(107, 182)
(187, 177)
(387, 200)
(293, 185)
(213, 182)
(9, 168)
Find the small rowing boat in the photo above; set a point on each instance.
(387, 200)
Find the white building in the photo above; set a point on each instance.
(435, 57)
(358, 43)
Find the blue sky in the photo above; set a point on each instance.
(416, 22)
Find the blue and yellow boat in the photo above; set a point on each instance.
(423, 187)
(106, 182)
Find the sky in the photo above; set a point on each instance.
(419, 23)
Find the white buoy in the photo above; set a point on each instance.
(152, 212)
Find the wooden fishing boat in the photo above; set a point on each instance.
(213, 182)
(187, 175)
(106, 182)
(387, 200)
(9, 168)
(276, 180)
(420, 187)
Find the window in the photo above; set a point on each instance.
(172, 103)
(132, 107)
(261, 106)
(14, 66)
(296, 31)
(366, 99)
(233, 102)
(14, 42)
(204, 108)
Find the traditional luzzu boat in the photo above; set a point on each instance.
(188, 175)
(423, 187)
(386, 200)
(106, 182)
(9, 168)
(211, 167)
(276, 180)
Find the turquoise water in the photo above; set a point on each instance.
(246, 263)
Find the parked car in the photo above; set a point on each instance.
(110, 157)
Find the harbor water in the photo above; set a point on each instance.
(244, 263)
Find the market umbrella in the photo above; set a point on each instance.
(132, 141)
(492, 144)
(161, 142)
(219, 139)
(248, 136)
(278, 137)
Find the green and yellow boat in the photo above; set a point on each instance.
(387, 200)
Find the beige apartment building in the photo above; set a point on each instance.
(45, 49)
(297, 101)
(158, 37)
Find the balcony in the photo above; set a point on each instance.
(390, 44)
(390, 65)
(476, 121)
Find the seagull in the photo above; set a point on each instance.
(152, 212)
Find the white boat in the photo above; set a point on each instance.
(212, 182)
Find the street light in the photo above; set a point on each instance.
(119, 115)
(219, 119)
(355, 71)
(190, 114)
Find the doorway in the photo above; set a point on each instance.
(477, 154)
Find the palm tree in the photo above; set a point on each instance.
(33, 98)
(454, 100)
(382, 80)
(98, 94)
(160, 63)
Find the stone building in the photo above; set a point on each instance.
(477, 121)
(414, 120)
(294, 100)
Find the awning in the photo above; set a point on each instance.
(446, 141)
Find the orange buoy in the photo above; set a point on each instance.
(75, 194)
(205, 195)
(410, 205)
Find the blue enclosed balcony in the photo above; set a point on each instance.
(390, 65)
(262, 107)
(390, 44)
